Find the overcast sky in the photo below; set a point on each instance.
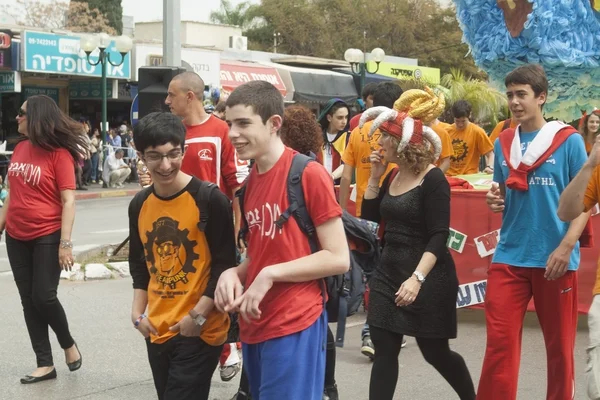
(151, 10)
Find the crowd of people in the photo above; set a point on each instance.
(212, 269)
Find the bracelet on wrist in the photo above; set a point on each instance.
(138, 320)
(373, 188)
(66, 244)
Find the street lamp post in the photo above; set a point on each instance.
(101, 41)
(358, 63)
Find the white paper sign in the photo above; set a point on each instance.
(471, 294)
(486, 244)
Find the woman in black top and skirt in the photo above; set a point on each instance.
(413, 291)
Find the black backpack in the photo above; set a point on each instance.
(344, 292)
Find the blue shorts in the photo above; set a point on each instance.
(290, 367)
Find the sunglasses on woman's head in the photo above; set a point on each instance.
(21, 112)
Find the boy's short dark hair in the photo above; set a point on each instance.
(368, 90)
(220, 107)
(461, 109)
(529, 74)
(386, 94)
(263, 97)
(158, 128)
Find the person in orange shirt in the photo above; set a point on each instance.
(582, 195)
(588, 127)
(443, 162)
(469, 142)
(181, 240)
(502, 126)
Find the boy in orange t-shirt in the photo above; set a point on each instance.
(582, 195)
(502, 126)
(443, 162)
(469, 142)
(179, 245)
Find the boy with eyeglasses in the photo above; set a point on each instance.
(181, 239)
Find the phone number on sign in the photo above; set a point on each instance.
(43, 42)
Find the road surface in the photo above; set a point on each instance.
(115, 365)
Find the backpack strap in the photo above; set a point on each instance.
(205, 190)
(297, 205)
(243, 223)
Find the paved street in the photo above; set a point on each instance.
(115, 365)
(97, 222)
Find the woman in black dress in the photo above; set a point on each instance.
(413, 291)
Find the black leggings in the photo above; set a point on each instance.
(36, 272)
(384, 375)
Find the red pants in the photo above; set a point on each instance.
(508, 292)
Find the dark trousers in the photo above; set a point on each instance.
(36, 272)
(182, 367)
(384, 374)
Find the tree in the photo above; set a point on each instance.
(46, 15)
(326, 28)
(111, 9)
(242, 15)
(74, 16)
(489, 105)
(81, 19)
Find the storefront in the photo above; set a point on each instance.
(205, 63)
(236, 73)
(428, 75)
(10, 88)
(52, 63)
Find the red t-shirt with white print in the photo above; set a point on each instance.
(287, 308)
(36, 177)
(211, 157)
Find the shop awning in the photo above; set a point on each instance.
(236, 73)
(317, 85)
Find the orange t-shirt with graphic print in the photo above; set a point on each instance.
(469, 145)
(447, 150)
(502, 125)
(590, 199)
(288, 307)
(177, 262)
(357, 155)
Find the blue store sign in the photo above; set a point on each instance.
(29, 91)
(59, 54)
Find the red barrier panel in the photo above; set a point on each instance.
(470, 215)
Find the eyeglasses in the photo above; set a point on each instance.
(21, 112)
(155, 158)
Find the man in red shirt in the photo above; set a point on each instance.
(277, 289)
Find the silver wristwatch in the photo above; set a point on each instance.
(198, 318)
(420, 277)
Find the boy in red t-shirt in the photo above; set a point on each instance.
(277, 289)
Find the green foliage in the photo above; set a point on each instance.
(489, 105)
(326, 28)
(242, 15)
(111, 9)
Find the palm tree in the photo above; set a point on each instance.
(489, 104)
(242, 15)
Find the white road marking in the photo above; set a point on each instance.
(124, 230)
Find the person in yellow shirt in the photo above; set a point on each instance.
(356, 157)
(334, 122)
(502, 126)
(469, 143)
(360, 146)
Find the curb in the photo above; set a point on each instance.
(106, 194)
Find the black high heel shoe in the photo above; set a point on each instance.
(75, 365)
(27, 379)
